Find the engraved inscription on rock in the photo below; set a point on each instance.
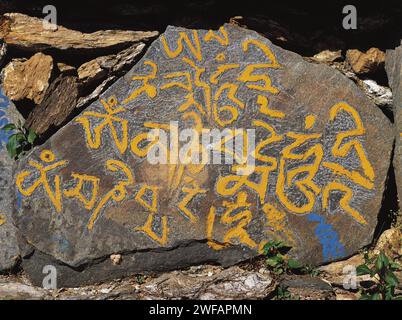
(320, 152)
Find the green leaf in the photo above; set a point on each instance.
(381, 261)
(272, 262)
(395, 266)
(279, 271)
(362, 270)
(294, 264)
(276, 244)
(32, 136)
(266, 249)
(8, 127)
(20, 137)
(389, 293)
(376, 296)
(12, 152)
(391, 279)
(12, 145)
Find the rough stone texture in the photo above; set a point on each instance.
(86, 100)
(197, 282)
(109, 65)
(67, 92)
(322, 195)
(66, 69)
(308, 288)
(9, 251)
(146, 261)
(390, 242)
(368, 62)
(335, 272)
(328, 56)
(3, 52)
(212, 284)
(24, 32)
(28, 79)
(20, 291)
(107, 68)
(381, 96)
(393, 66)
(92, 70)
(346, 295)
(60, 100)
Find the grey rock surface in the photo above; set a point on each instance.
(322, 153)
(393, 66)
(9, 252)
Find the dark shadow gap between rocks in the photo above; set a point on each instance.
(389, 207)
(310, 27)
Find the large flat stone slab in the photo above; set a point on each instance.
(322, 152)
(9, 252)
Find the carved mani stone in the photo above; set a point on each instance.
(321, 151)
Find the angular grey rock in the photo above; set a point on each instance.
(111, 67)
(322, 153)
(306, 287)
(393, 66)
(9, 252)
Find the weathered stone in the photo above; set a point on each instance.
(24, 32)
(198, 282)
(116, 258)
(335, 272)
(60, 100)
(9, 251)
(82, 101)
(346, 295)
(328, 56)
(308, 288)
(3, 51)
(28, 79)
(106, 68)
(92, 70)
(63, 95)
(102, 268)
(322, 154)
(390, 243)
(393, 66)
(381, 96)
(66, 69)
(20, 291)
(210, 284)
(109, 65)
(368, 62)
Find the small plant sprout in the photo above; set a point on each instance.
(20, 141)
(276, 260)
(382, 269)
